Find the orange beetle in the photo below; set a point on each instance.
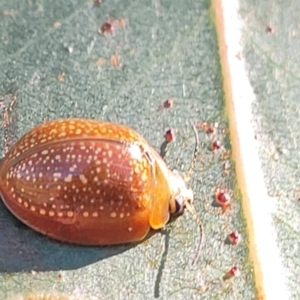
(89, 182)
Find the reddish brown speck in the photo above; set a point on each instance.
(168, 103)
(270, 29)
(107, 28)
(222, 198)
(211, 129)
(170, 135)
(234, 271)
(208, 128)
(234, 238)
(216, 145)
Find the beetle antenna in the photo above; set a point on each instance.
(190, 207)
(193, 161)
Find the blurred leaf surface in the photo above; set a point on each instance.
(271, 50)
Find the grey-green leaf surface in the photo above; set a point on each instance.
(271, 39)
(55, 62)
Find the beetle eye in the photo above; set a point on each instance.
(179, 205)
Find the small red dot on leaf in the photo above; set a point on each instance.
(270, 29)
(216, 145)
(234, 271)
(170, 135)
(107, 28)
(234, 237)
(168, 103)
(222, 198)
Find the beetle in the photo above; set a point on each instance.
(91, 183)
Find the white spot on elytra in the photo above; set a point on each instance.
(83, 179)
(68, 178)
(72, 169)
(44, 152)
(70, 214)
(135, 151)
